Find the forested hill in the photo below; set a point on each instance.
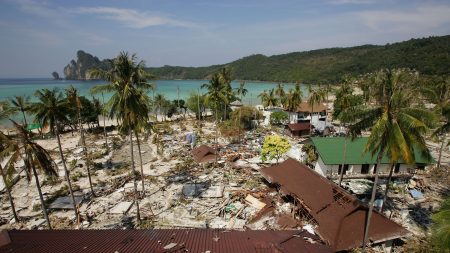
(427, 55)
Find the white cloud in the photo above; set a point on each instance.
(421, 18)
(133, 18)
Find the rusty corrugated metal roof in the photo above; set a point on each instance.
(340, 215)
(204, 153)
(299, 126)
(162, 240)
(306, 107)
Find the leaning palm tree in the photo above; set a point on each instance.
(22, 104)
(74, 101)
(129, 102)
(268, 98)
(316, 96)
(7, 148)
(36, 157)
(50, 111)
(396, 127)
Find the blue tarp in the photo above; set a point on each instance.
(416, 194)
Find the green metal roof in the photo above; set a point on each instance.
(331, 150)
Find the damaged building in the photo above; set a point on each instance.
(337, 216)
(357, 163)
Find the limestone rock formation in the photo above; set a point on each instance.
(79, 69)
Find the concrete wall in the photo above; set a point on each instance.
(355, 169)
(294, 117)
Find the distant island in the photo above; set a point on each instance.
(427, 55)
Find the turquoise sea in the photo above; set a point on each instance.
(27, 87)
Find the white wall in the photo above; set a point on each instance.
(355, 169)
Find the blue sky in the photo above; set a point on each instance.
(38, 37)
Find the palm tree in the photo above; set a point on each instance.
(225, 78)
(22, 104)
(316, 96)
(344, 103)
(294, 98)
(281, 94)
(396, 127)
(36, 157)
(440, 236)
(160, 102)
(129, 102)
(5, 110)
(74, 102)
(241, 91)
(7, 146)
(443, 130)
(268, 99)
(50, 111)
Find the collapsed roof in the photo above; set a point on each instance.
(204, 154)
(339, 215)
(160, 240)
(299, 126)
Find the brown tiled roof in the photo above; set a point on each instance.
(163, 240)
(305, 107)
(204, 154)
(340, 215)
(299, 126)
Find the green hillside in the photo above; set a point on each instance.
(427, 55)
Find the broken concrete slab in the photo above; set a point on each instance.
(121, 207)
(215, 191)
(193, 189)
(66, 202)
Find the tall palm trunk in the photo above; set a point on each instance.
(41, 197)
(387, 187)
(85, 153)
(341, 175)
(138, 214)
(140, 161)
(11, 201)
(104, 123)
(24, 118)
(217, 135)
(371, 202)
(66, 172)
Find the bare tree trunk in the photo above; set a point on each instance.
(341, 175)
(310, 121)
(440, 153)
(41, 197)
(371, 202)
(138, 215)
(140, 161)
(387, 187)
(8, 190)
(66, 172)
